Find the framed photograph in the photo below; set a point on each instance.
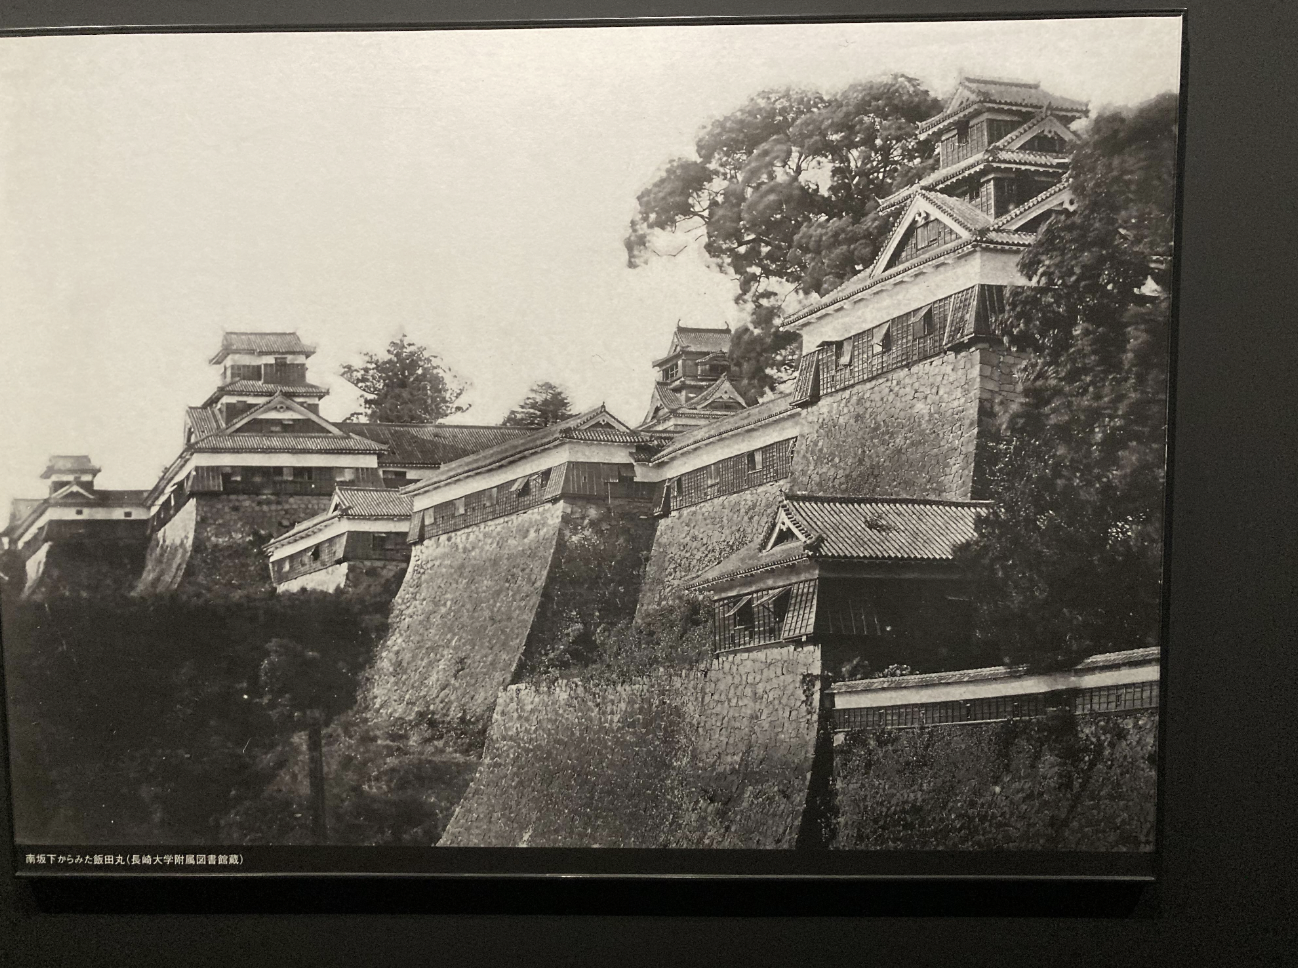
(635, 449)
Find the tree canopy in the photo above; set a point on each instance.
(784, 194)
(1070, 561)
(408, 384)
(545, 404)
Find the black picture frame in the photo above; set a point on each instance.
(1231, 559)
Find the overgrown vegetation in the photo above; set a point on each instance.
(1060, 783)
(545, 404)
(147, 719)
(784, 194)
(673, 635)
(407, 384)
(1069, 562)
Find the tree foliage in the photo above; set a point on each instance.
(408, 384)
(141, 720)
(1069, 563)
(784, 194)
(545, 404)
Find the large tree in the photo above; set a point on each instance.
(408, 384)
(1070, 561)
(544, 404)
(784, 195)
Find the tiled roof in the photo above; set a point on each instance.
(122, 499)
(20, 510)
(301, 530)
(1015, 239)
(286, 443)
(712, 340)
(1105, 661)
(1130, 657)
(261, 344)
(965, 214)
(69, 464)
(863, 281)
(897, 528)
(975, 91)
(722, 388)
(204, 420)
(23, 506)
(372, 502)
(25, 510)
(858, 529)
(984, 159)
(760, 413)
(431, 445)
(574, 428)
(256, 388)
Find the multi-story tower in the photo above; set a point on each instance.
(691, 386)
(903, 365)
(902, 370)
(257, 458)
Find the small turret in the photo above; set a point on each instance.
(65, 469)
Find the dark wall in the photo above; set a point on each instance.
(1057, 783)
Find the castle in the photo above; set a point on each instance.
(819, 524)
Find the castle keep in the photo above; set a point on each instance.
(818, 525)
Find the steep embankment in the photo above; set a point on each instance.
(1061, 783)
(715, 757)
(460, 623)
(215, 541)
(693, 539)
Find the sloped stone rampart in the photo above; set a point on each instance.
(460, 622)
(718, 757)
(215, 542)
(691, 540)
(90, 567)
(914, 432)
(594, 578)
(168, 552)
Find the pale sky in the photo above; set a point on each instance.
(470, 188)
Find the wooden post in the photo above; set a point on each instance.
(315, 769)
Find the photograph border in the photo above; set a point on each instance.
(1004, 864)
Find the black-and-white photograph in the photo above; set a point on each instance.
(707, 436)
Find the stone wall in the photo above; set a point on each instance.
(693, 539)
(594, 579)
(715, 757)
(215, 541)
(330, 579)
(913, 432)
(1058, 783)
(168, 553)
(89, 566)
(460, 622)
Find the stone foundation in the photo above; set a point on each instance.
(476, 601)
(703, 758)
(84, 566)
(691, 540)
(215, 541)
(913, 432)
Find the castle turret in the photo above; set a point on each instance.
(691, 386)
(65, 469)
(257, 366)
